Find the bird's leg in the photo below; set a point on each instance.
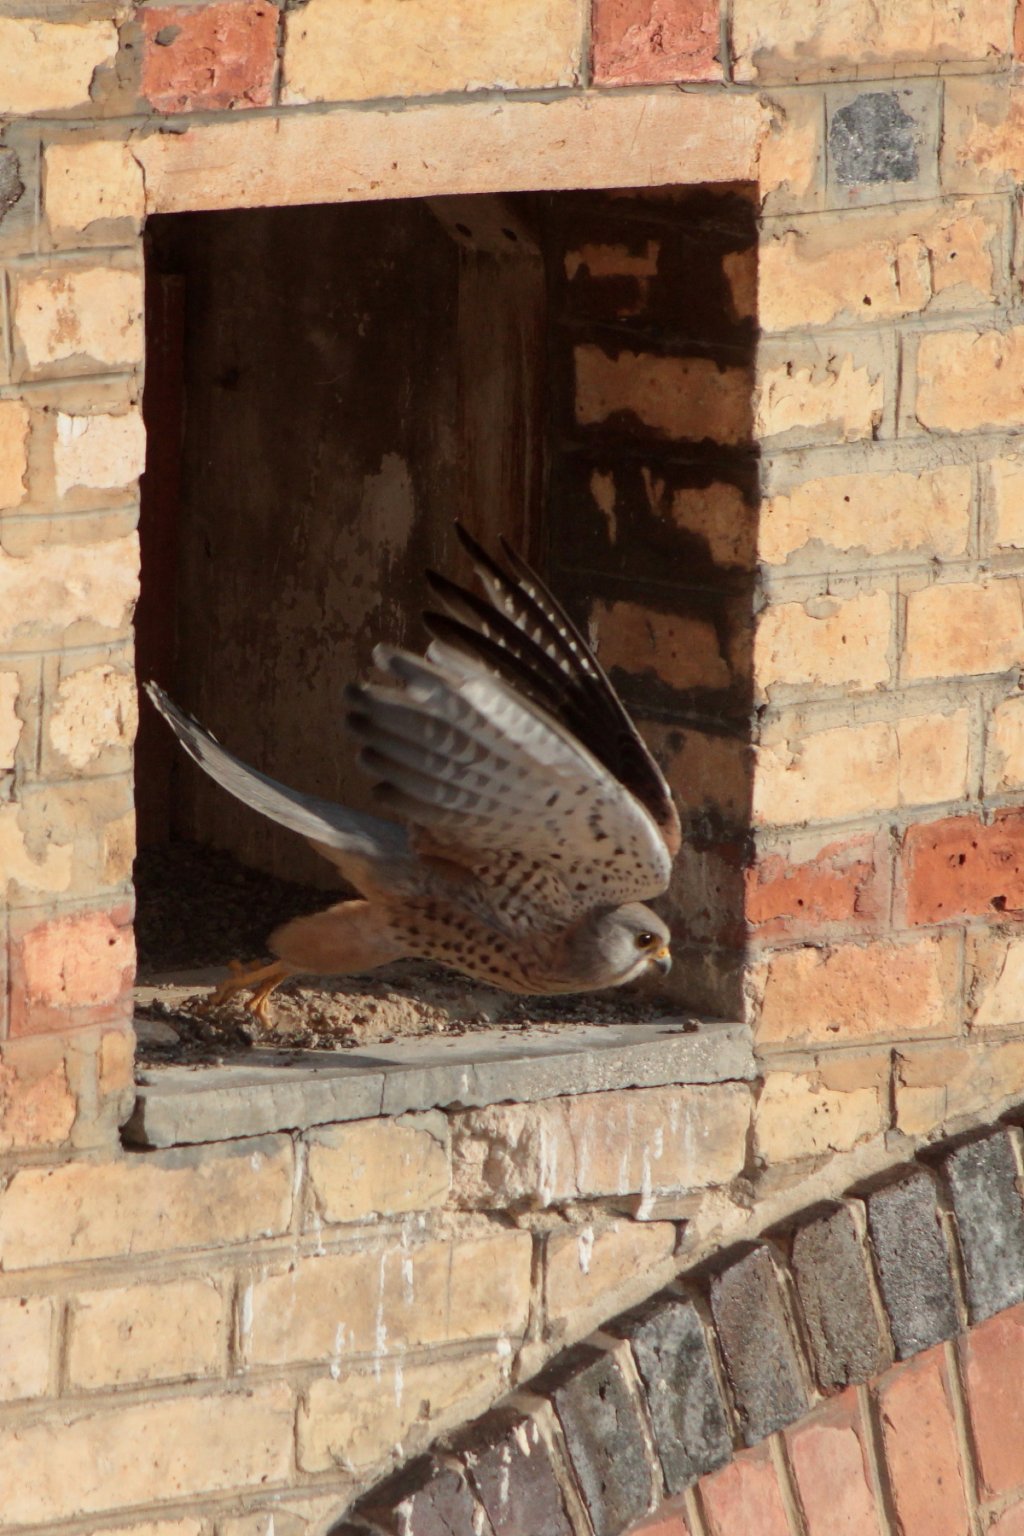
(262, 978)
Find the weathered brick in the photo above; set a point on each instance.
(982, 146)
(1009, 1523)
(1004, 747)
(515, 1479)
(983, 1184)
(379, 1167)
(875, 514)
(153, 1204)
(791, 160)
(142, 1333)
(636, 1141)
(26, 1337)
(68, 590)
(98, 452)
(670, 1520)
(89, 181)
(605, 1439)
(961, 866)
(824, 642)
(947, 1082)
(1006, 484)
(745, 1496)
(11, 723)
(38, 1103)
(15, 422)
(354, 1422)
(755, 1331)
(993, 1361)
(913, 1263)
(832, 1270)
(680, 650)
(344, 52)
(832, 397)
(78, 313)
(995, 970)
(794, 43)
(877, 264)
(115, 1458)
(792, 895)
(654, 42)
(93, 718)
(64, 969)
(885, 990)
(337, 1305)
(49, 66)
(830, 1470)
(205, 58)
(650, 396)
(919, 1439)
(963, 628)
(968, 380)
(851, 770)
(688, 1414)
(715, 770)
(590, 1274)
(799, 1116)
(428, 1498)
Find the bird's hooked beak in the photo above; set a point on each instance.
(662, 960)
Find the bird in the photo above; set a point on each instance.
(533, 823)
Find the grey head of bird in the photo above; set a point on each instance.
(614, 945)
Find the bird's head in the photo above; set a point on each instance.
(618, 944)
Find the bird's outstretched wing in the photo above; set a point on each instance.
(350, 839)
(508, 741)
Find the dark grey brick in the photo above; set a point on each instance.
(604, 1438)
(673, 1357)
(832, 1271)
(755, 1332)
(913, 1263)
(428, 1498)
(510, 1468)
(982, 1178)
(11, 184)
(873, 139)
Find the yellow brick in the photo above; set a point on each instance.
(963, 629)
(69, 591)
(865, 267)
(48, 66)
(331, 1307)
(1006, 478)
(798, 1117)
(11, 725)
(995, 970)
(589, 1274)
(152, 1204)
(636, 1141)
(938, 1086)
(99, 452)
(970, 379)
(144, 1333)
(678, 649)
(883, 990)
(94, 713)
(46, 871)
(14, 429)
(355, 1423)
(879, 514)
(933, 757)
(26, 1332)
(379, 1167)
(716, 513)
(791, 150)
(1004, 748)
(825, 643)
(87, 181)
(672, 397)
(804, 42)
(156, 1528)
(982, 133)
(173, 1448)
(341, 50)
(38, 1105)
(92, 313)
(837, 400)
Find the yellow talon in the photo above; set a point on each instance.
(262, 978)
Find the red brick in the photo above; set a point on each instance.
(668, 1520)
(920, 1449)
(745, 1497)
(961, 867)
(830, 1469)
(1010, 1523)
(70, 971)
(210, 56)
(655, 42)
(846, 882)
(993, 1358)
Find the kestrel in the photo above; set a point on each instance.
(536, 821)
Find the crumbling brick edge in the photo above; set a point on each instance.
(731, 1354)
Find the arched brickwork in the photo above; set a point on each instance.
(860, 1372)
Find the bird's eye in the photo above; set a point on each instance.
(645, 940)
